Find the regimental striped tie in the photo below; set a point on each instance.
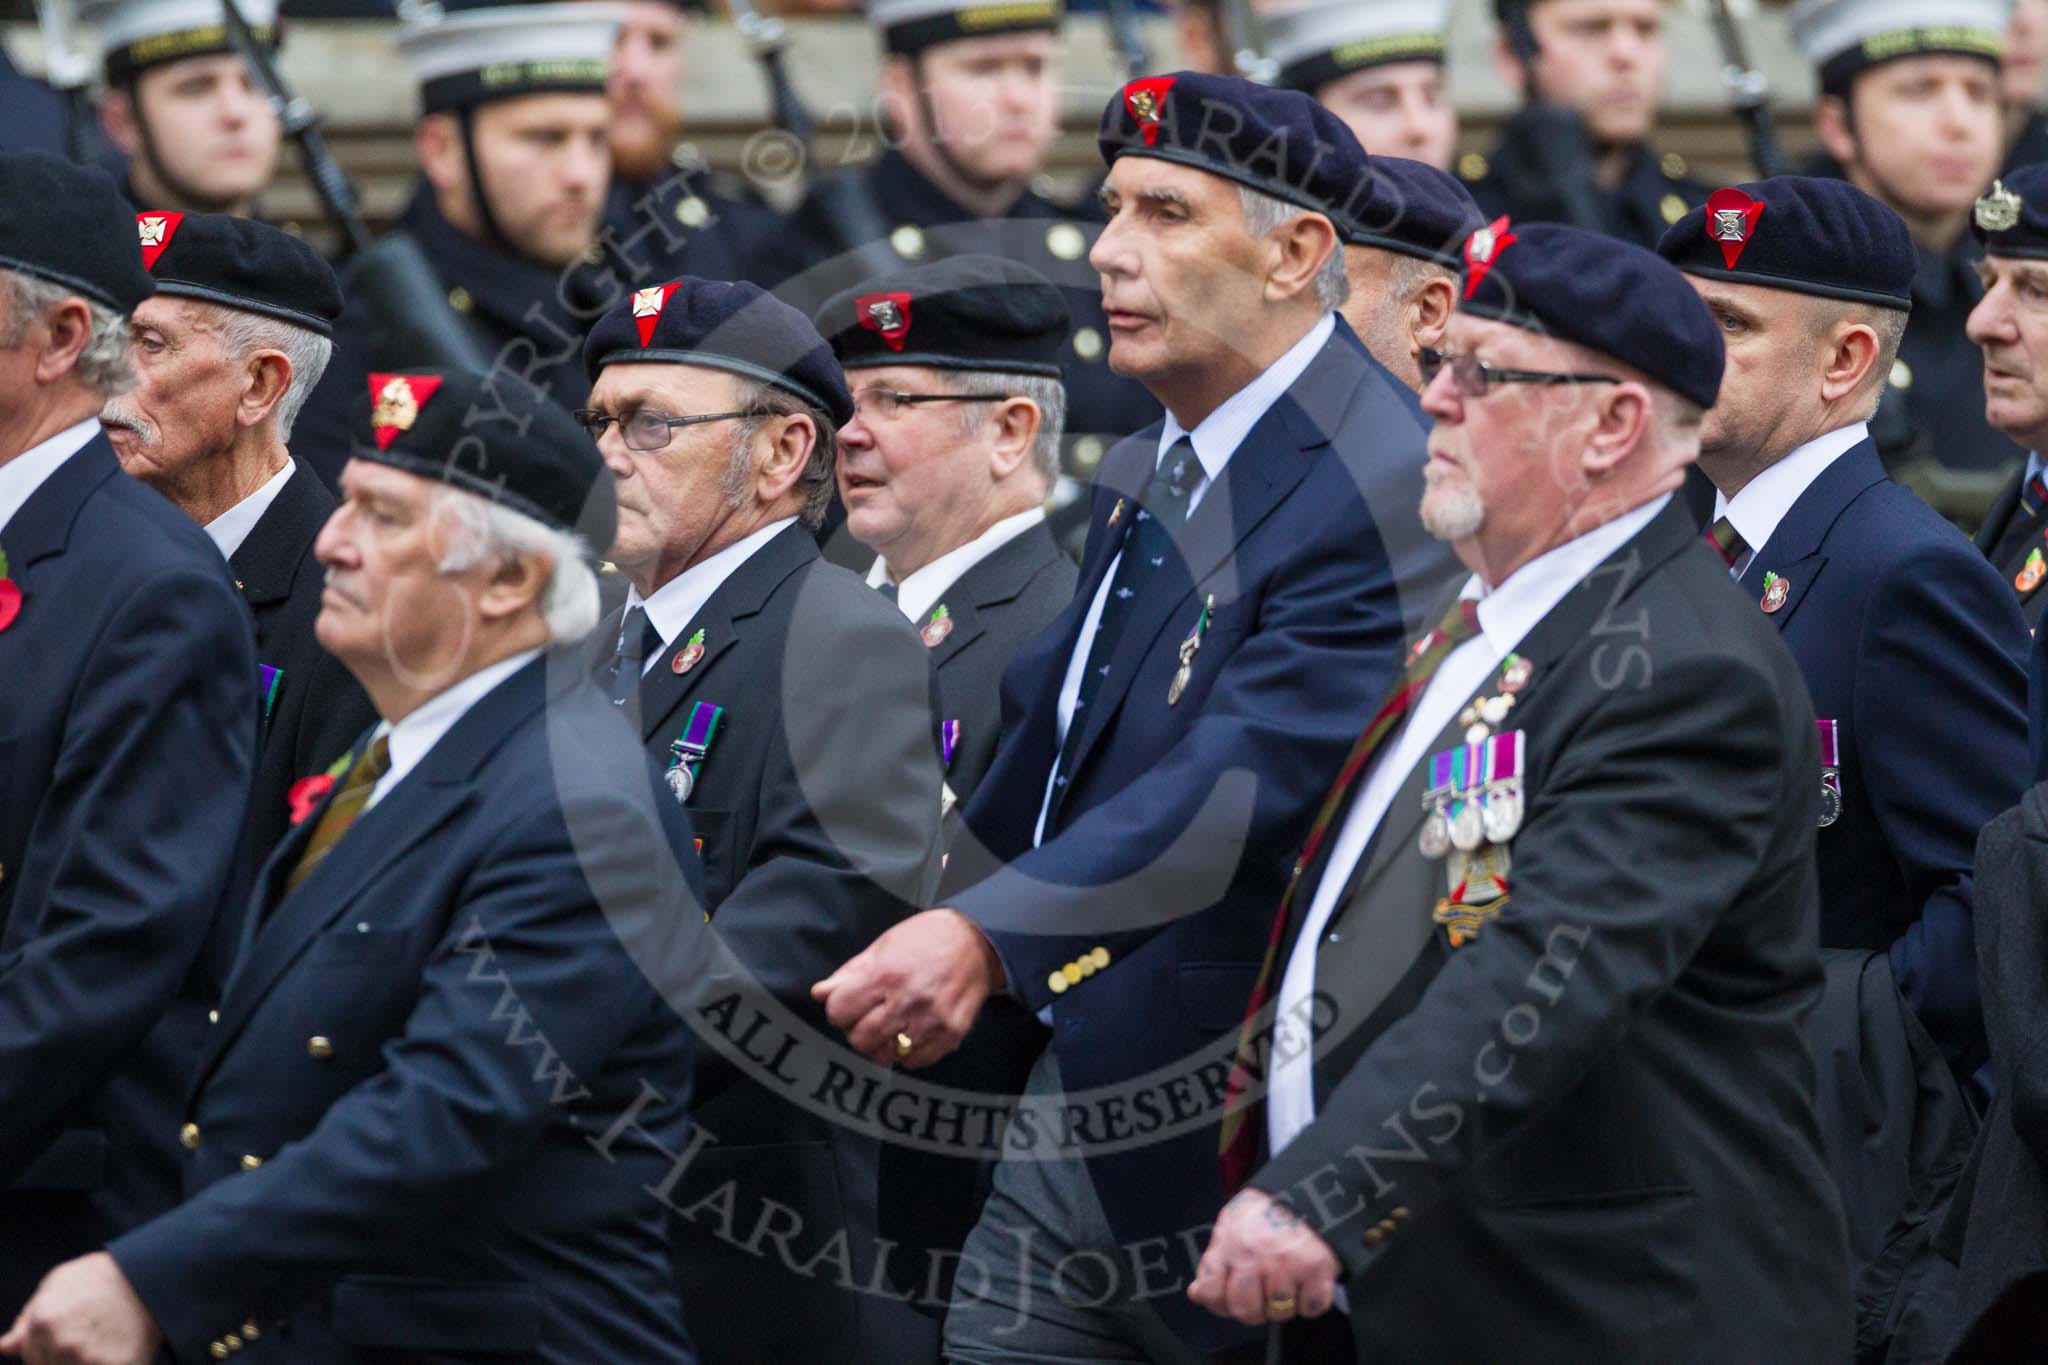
(1727, 542)
(342, 811)
(2035, 495)
(1239, 1141)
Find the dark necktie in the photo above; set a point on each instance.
(637, 637)
(1727, 542)
(342, 811)
(1147, 542)
(2020, 534)
(1243, 1122)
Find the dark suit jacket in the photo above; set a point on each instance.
(995, 607)
(2000, 1227)
(316, 708)
(818, 810)
(2008, 536)
(126, 745)
(1597, 1118)
(1912, 645)
(479, 954)
(1152, 894)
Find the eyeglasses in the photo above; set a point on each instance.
(886, 405)
(647, 428)
(1472, 377)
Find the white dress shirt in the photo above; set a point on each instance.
(233, 526)
(21, 476)
(676, 603)
(922, 590)
(1763, 502)
(421, 728)
(1506, 615)
(1215, 438)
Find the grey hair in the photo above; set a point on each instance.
(1407, 274)
(1048, 392)
(1264, 214)
(480, 529)
(764, 402)
(242, 333)
(103, 365)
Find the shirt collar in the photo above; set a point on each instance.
(421, 728)
(1763, 502)
(1509, 612)
(920, 591)
(1219, 434)
(676, 603)
(21, 476)
(2034, 467)
(233, 526)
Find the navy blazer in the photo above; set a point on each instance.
(1154, 891)
(126, 745)
(1916, 649)
(443, 1082)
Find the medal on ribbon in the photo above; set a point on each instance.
(1188, 647)
(1830, 775)
(1474, 808)
(686, 751)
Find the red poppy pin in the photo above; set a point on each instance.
(886, 314)
(1146, 100)
(1482, 250)
(154, 231)
(395, 403)
(647, 306)
(10, 595)
(304, 796)
(1731, 222)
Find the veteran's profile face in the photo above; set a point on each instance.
(1775, 355)
(386, 607)
(672, 501)
(899, 468)
(2010, 325)
(182, 407)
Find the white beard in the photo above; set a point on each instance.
(1452, 511)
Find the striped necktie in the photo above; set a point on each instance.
(1239, 1143)
(343, 809)
(1727, 542)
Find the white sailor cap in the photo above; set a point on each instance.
(1316, 43)
(1842, 38)
(134, 35)
(497, 52)
(910, 26)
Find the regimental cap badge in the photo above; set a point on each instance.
(1482, 250)
(1999, 209)
(154, 231)
(1731, 222)
(396, 400)
(887, 315)
(1146, 99)
(647, 306)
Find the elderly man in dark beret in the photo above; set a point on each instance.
(1242, 604)
(1913, 649)
(1402, 257)
(1553, 938)
(790, 708)
(225, 353)
(125, 754)
(443, 1078)
(2011, 223)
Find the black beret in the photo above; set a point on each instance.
(1611, 296)
(1280, 142)
(1417, 210)
(734, 327)
(960, 313)
(494, 435)
(2012, 217)
(239, 263)
(68, 224)
(1798, 232)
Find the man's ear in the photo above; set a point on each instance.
(1430, 309)
(898, 94)
(1852, 351)
(1300, 248)
(1017, 421)
(266, 376)
(519, 582)
(118, 121)
(437, 139)
(1833, 126)
(1621, 425)
(790, 441)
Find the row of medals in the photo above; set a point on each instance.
(1491, 816)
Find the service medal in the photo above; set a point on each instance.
(1468, 827)
(1435, 839)
(1502, 814)
(681, 782)
(1178, 685)
(1830, 773)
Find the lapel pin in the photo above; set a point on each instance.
(10, 595)
(1514, 674)
(1116, 514)
(1775, 588)
(2030, 574)
(938, 628)
(686, 657)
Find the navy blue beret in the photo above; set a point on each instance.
(734, 327)
(68, 225)
(1798, 232)
(494, 435)
(1280, 142)
(2012, 217)
(960, 313)
(1417, 210)
(1610, 296)
(239, 263)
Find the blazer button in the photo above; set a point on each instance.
(250, 1331)
(250, 1163)
(232, 1342)
(319, 1048)
(1056, 983)
(189, 1136)
(213, 1016)
(1399, 1215)
(1072, 972)
(1100, 957)
(1373, 1237)
(218, 1350)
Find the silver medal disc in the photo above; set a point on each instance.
(1503, 815)
(681, 781)
(1435, 840)
(1468, 829)
(1830, 797)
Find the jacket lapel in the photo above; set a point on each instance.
(274, 552)
(1794, 549)
(43, 525)
(991, 583)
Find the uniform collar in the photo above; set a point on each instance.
(1219, 434)
(1763, 502)
(920, 592)
(232, 527)
(420, 729)
(21, 476)
(676, 603)
(1507, 613)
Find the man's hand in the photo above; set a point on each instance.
(925, 981)
(1264, 1264)
(84, 1313)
